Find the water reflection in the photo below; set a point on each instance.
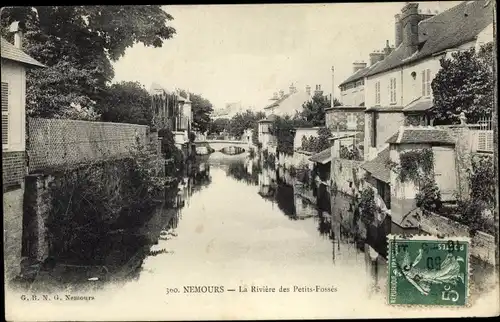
(118, 249)
(266, 214)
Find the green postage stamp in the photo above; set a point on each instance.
(427, 270)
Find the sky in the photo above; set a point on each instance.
(244, 53)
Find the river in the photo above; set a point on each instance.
(238, 226)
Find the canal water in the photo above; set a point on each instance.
(240, 227)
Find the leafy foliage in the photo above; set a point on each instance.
(243, 121)
(126, 102)
(473, 211)
(283, 128)
(219, 125)
(78, 43)
(313, 111)
(319, 143)
(202, 108)
(415, 165)
(465, 83)
(351, 153)
(88, 201)
(482, 180)
(367, 205)
(429, 196)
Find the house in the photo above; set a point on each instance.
(14, 65)
(265, 135)
(172, 111)
(441, 142)
(290, 103)
(398, 89)
(352, 90)
(350, 116)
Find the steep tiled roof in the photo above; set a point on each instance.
(278, 101)
(289, 104)
(322, 157)
(449, 29)
(378, 166)
(9, 51)
(421, 134)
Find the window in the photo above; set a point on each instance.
(377, 93)
(5, 114)
(392, 90)
(426, 82)
(351, 121)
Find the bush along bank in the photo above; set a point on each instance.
(86, 204)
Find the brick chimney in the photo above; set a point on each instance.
(410, 18)
(358, 65)
(308, 90)
(376, 56)
(18, 34)
(399, 30)
(318, 90)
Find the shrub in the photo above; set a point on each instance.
(367, 205)
(429, 196)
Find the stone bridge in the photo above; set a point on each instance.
(218, 145)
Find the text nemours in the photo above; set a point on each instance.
(214, 289)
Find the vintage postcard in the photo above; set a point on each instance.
(250, 161)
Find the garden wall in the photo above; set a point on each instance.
(60, 142)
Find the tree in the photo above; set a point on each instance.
(219, 125)
(319, 143)
(465, 83)
(243, 121)
(78, 43)
(126, 102)
(201, 108)
(314, 110)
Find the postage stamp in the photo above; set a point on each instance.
(426, 270)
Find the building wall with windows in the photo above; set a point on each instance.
(353, 94)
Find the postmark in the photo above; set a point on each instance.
(427, 270)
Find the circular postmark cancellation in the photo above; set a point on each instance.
(427, 270)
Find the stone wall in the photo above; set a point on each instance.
(13, 169)
(483, 245)
(60, 142)
(13, 228)
(347, 175)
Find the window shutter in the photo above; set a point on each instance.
(423, 83)
(394, 89)
(428, 82)
(5, 114)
